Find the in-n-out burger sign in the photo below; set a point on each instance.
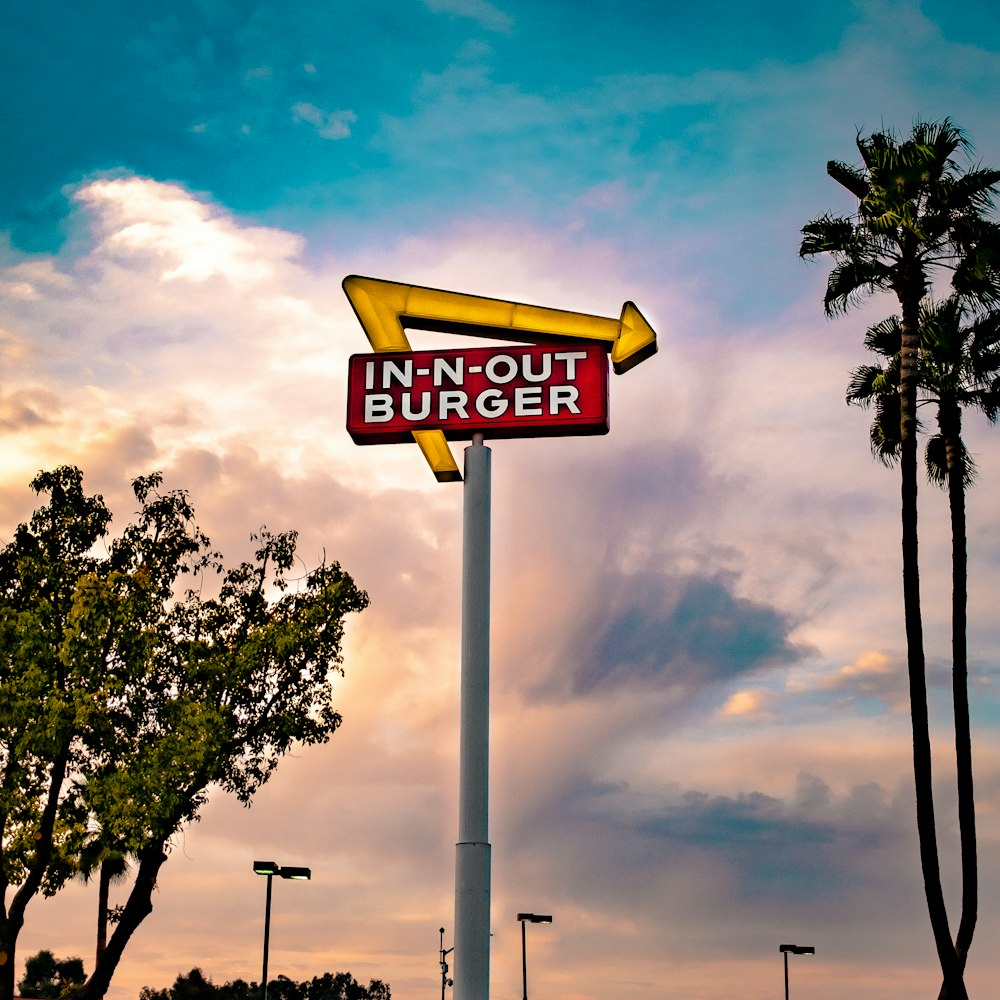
(501, 391)
(556, 385)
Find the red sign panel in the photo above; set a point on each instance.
(525, 391)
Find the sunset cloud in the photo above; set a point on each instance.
(749, 704)
(872, 675)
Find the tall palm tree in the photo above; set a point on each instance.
(917, 212)
(959, 368)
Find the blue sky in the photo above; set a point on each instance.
(700, 740)
(647, 118)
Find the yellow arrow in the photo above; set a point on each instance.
(386, 309)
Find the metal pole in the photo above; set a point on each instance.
(472, 860)
(786, 975)
(524, 963)
(445, 981)
(267, 936)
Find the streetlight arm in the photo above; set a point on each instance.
(270, 869)
(793, 949)
(529, 918)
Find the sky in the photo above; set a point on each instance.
(700, 738)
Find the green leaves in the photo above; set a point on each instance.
(122, 704)
(849, 177)
(958, 365)
(916, 211)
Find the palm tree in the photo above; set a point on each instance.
(959, 368)
(111, 864)
(917, 212)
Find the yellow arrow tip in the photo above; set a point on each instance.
(636, 340)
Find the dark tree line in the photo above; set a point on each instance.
(330, 986)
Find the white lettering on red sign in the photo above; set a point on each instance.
(513, 392)
(490, 403)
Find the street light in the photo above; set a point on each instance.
(270, 869)
(529, 918)
(794, 949)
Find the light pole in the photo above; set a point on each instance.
(270, 869)
(794, 949)
(445, 981)
(529, 918)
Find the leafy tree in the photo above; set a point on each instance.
(959, 368)
(917, 213)
(46, 976)
(124, 699)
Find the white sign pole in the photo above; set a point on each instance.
(472, 861)
(385, 310)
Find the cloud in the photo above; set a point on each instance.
(754, 860)
(786, 852)
(678, 633)
(145, 218)
(167, 279)
(328, 124)
(748, 704)
(27, 409)
(486, 14)
(872, 675)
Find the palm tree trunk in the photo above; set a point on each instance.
(922, 769)
(910, 292)
(951, 430)
(963, 733)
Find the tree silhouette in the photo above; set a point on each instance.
(47, 977)
(959, 369)
(917, 213)
(330, 986)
